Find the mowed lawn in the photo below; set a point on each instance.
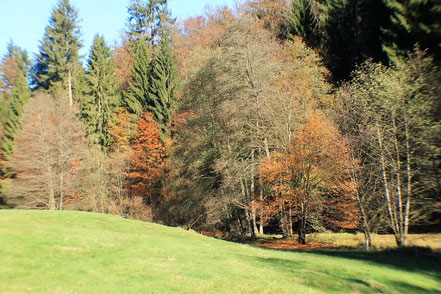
(79, 252)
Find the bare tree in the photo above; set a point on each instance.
(48, 154)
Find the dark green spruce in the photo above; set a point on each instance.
(136, 98)
(102, 96)
(147, 19)
(413, 22)
(11, 106)
(58, 68)
(162, 86)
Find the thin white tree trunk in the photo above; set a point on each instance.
(385, 182)
(409, 183)
(398, 175)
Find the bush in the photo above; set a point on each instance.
(133, 208)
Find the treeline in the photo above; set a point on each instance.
(276, 116)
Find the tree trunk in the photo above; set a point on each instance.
(261, 213)
(61, 190)
(386, 188)
(253, 218)
(52, 203)
(364, 218)
(291, 232)
(69, 80)
(252, 194)
(302, 231)
(399, 220)
(409, 182)
(283, 221)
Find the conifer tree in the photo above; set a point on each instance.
(162, 86)
(413, 22)
(137, 95)
(14, 92)
(58, 67)
(147, 19)
(102, 95)
(14, 75)
(352, 34)
(306, 19)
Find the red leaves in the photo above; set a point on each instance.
(148, 159)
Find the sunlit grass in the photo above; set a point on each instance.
(379, 241)
(77, 252)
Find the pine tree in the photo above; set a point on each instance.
(353, 34)
(147, 19)
(14, 73)
(413, 22)
(58, 67)
(14, 92)
(306, 19)
(137, 95)
(102, 95)
(163, 86)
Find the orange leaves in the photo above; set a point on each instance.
(312, 172)
(148, 159)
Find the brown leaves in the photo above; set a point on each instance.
(123, 59)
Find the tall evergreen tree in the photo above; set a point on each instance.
(58, 65)
(346, 32)
(307, 19)
(136, 97)
(413, 22)
(353, 34)
(14, 74)
(14, 92)
(147, 19)
(102, 95)
(163, 85)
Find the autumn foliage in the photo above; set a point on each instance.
(148, 159)
(308, 175)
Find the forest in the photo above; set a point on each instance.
(273, 117)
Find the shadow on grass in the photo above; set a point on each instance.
(400, 260)
(334, 281)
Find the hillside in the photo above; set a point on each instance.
(78, 252)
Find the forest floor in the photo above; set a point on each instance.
(79, 252)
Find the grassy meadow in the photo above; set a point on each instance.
(79, 252)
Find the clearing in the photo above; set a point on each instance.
(79, 252)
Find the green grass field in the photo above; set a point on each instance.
(78, 252)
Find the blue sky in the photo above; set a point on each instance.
(24, 21)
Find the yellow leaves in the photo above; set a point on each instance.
(120, 131)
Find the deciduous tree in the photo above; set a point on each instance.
(314, 166)
(148, 160)
(48, 154)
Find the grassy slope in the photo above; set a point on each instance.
(77, 252)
